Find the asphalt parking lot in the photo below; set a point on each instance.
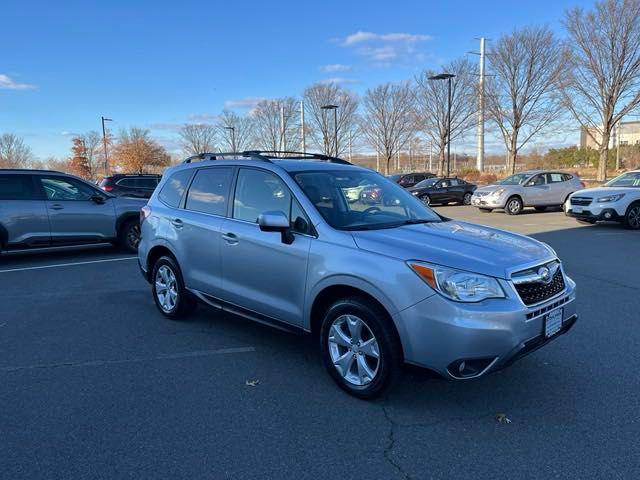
(94, 383)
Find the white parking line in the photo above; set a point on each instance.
(162, 356)
(58, 265)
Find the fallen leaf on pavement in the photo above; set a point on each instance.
(502, 418)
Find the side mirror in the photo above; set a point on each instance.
(99, 199)
(276, 221)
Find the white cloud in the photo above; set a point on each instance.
(247, 102)
(362, 37)
(335, 67)
(203, 118)
(339, 80)
(383, 48)
(7, 83)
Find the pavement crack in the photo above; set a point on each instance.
(391, 441)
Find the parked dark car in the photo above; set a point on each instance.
(408, 180)
(130, 185)
(444, 190)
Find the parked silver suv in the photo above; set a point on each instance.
(278, 240)
(537, 188)
(41, 209)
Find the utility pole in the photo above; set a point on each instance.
(398, 160)
(350, 142)
(430, 155)
(377, 160)
(104, 143)
(283, 138)
(618, 145)
(480, 155)
(304, 146)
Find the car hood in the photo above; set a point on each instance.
(602, 191)
(455, 244)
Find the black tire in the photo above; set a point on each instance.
(585, 221)
(632, 217)
(540, 209)
(426, 199)
(129, 235)
(184, 303)
(379, 324)
(466, 199)
(513, 206)
(486, 210)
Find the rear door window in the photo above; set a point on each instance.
(173, 189)
(209, 191)
(555, 178)
(17, 187)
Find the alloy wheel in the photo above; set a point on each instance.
(166, 288)
(426, 200)
(633, 217)
(514, 206)
(466, 200)
(354, 350)
(133, 237)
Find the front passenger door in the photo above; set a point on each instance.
(260, 272)
(76, 213)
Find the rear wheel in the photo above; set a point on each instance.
(129, 235)
(632, 217)
(513, 206)
(169, 293)
(466, 200)
(360, 348)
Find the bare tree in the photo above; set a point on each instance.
(269, 133)
(389, 119)
(604, 83)
(432, 103)
(320, 125)
(13, 152)
(92, 142)
(197, 138)
(137, 152)
(521, 96)
(236, 132)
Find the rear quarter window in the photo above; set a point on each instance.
(173, 190)
(17, 187)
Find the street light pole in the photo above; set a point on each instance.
(304, 145)
(233, 137)
(104, 143)
(448, 77)
(335, 125)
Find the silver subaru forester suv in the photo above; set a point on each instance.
(274, 237)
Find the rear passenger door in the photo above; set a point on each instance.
(558, 188)
(23, 214)
(260, 272)
(198, 228)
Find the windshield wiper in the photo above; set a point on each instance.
(416, 221)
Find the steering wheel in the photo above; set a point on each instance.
(371, 210)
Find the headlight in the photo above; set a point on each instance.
(498, 192)
(458, 285)
(610, 198)
(415, 193)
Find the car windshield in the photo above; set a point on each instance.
(429, 182)
(631, 179)
(362, 200)
(394, 178)
(517, 179)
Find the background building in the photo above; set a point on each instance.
(629, 133)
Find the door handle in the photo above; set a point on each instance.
(56, 206)
(230, 238)
(176, 222)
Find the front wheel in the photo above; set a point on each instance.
(514, 206)
(129, 236)
(426, 200)
(632, 217)
(360, 348)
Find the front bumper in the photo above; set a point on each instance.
(595, 212)
(462, 341)
(487, 201)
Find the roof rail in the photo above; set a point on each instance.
(266, 156)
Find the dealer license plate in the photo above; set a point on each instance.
(553, 322)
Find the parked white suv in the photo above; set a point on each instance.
(617, 200)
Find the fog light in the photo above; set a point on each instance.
(607, 215)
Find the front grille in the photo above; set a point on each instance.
(536, 292)
(583, 201)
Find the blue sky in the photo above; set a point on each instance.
(157, 64)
